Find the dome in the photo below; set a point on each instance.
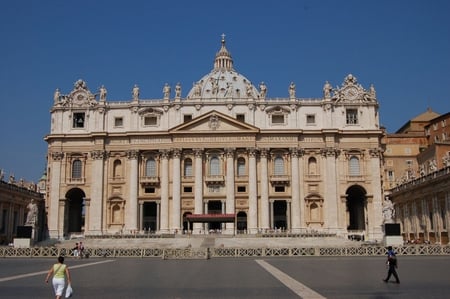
(223, 81)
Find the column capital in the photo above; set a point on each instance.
(264, 152)
(330, 152)
(57, 156)
(132, 154)
(296, 152)
(375, 152)
(164, 153)
(198, 152)
(252, 151)
(229, 152)
(176, 152)
(99, 154)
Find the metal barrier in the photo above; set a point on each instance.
(223, 252)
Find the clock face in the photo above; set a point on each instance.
(351, 93)
(79, 98)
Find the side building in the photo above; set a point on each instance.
(422, 201)
(224, 158)
(17, 198)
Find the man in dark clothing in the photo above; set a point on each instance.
(392, 265)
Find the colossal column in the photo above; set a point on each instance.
(252, 193)
(55, 179)
(198, 194)
(96, 202)
(331, 190)
(264, 191)
(230, 206)
(295, 202)
(176, 190)
(132, 204)
(164, 191)
(375, 216)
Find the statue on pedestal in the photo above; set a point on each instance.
(388, 211)
(32, 213)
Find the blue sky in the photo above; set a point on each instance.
(402, 47)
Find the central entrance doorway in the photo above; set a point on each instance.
(214, 207)
(149, 221)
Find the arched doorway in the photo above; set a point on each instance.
(280, 214)
(356, 206)
(75, 211)
(241, 222)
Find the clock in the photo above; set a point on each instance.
(79, 98)
(351, 93)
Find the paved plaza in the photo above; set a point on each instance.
(296, 277)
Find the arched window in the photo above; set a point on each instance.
(241, 166)
(353, 166)
(76, 169)
(278, 165)
(188, 167)
(312, 165)
(214, 166)
(150, 168)
(117, 169)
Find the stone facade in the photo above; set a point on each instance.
(20, 205)
(291, 163)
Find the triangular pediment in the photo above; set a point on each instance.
(214, 122)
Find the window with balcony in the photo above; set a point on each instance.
(150, 168)
(241, 167)
(353, 166)
(187, 167)
(214, 166)
(278, 164)
(76, 169)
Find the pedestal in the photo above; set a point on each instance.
(22, 243)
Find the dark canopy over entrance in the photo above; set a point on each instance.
(211, 218)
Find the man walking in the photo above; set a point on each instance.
(392, 265)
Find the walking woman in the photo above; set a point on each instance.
(60, 271)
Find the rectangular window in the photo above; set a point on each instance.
(118, 122)
(390, 175)
(278, 119)
(352, 116)
(187, 189)
(150, 121)
(279, 188)
(241, 189)
(150, 190)
(310, 119)
(187, 117)
(240, 117)
(78, 120)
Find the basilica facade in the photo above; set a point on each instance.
(223, 158)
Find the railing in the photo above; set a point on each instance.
(224, 252)
(423, 179)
